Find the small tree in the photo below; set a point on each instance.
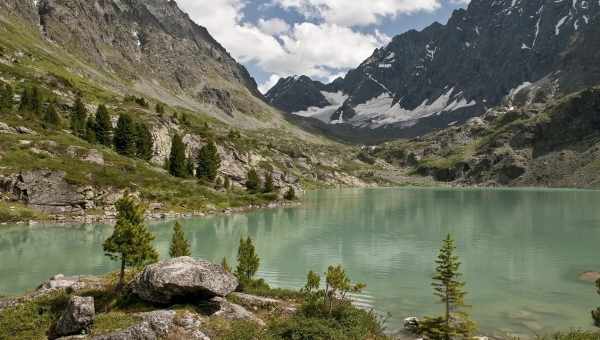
(226, 183)
(103, 126)
(125, 136)
(448, 287)
(180, 246)
(596, 312)
(131, 241)
(290, 194)
(177, 161)
(269, 185)
(160, 108)
(78, 117)
(339, 285)
(90, 130)
(209, 162)
(248, 261)
(36, 100)
(51, 117)
(225, 265)
(144, 142)
(253, 181)
(6, 98)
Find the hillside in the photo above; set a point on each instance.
(150, 61)
(490, 54)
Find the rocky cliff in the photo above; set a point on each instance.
(494, 52)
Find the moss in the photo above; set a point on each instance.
(33, 319)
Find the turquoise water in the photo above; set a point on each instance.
(522, 250)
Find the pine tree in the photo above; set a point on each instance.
(180, 246)
(290, 194)
(209, 162)
(51, 117)
(447, 286)
(226, 183)
(90, 130)
(160, 108)
(131, 241)
(78, 117)
(125, 136)
(269, 186)
(253, 181)
(144, 142)
(6, 98)
(225, 265)
(103, 126)
(36, 100)
(248, 261)
(178, 165)
(25, 101)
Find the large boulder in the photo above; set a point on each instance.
(77, 317)
(171, 280)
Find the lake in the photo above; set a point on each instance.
(522, 250)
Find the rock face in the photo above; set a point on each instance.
(231, 311)
(494, 52)
(77, 317)
(160, 324)
(71, 283)
(167, 281)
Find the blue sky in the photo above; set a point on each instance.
(318, 38)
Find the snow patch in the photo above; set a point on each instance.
(335, 99)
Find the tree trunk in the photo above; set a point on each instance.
(447, 315)
(121, 275)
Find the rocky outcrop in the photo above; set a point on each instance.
(219, 98)
(232, 311)
(171, 280)
(161, 324)
(77, 317)
(71, 283)
(590, 277)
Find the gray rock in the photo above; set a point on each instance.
(231, 311)
(183, 277)
(77, 318)
(94, 156)
(72, 283)
(4, 128)
(25, 131)
(411, 325)
(160, 324)
(589, 277)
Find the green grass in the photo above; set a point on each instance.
(11, 212)
(109, 322)
(33, 319)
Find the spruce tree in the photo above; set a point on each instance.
(131, 241)
(269, 186)
(125, 136)
(248, 261)
(253, 181)
(103, 126)
(51, 117)
(6, 98)
(178, 165)
(160, 108)
(290, 194)
(226, 183)
(455, 323)
(78, 117)
(36, 100)
(180, 246)
(209, 162)
(144, 142)
(90, 130)
(25, 101)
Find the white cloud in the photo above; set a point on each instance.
(273, 26)
(268, 84)
(357, 13)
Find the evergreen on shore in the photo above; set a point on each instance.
(131, 241)
(248, 260)
(180, 246)
(253, 181)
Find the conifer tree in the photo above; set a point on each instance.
(25, 101)
(103, 126)
(78, 117)
(248, 261)
(178, 165)
(290, 194)
(180, 246)
(225, 265)
(131, 241)
(6, 98)
(144, 142)
(90, 130)
(51, 117)
(125, 136)
(36, 100)
(160, 108)
(269, 186)
(209, 162)
(253, 181)
(447, 286)
(226, 183)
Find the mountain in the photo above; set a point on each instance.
(496, 52)
(160, 75)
